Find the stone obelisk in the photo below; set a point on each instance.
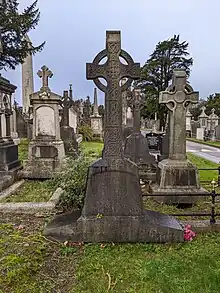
(27, 79)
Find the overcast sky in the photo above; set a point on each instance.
(74, 31)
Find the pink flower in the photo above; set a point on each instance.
(188, 233)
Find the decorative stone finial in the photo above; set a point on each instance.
(45, 73)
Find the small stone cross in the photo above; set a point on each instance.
(113, 71)
(177, 97)
(66, 104)
(137, 101)
(45, 73)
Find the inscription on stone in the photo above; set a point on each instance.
(45, 121)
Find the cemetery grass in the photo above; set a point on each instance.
(32, 191)
(211, 143)
(206, 176)
(23, 149)
(31, 263)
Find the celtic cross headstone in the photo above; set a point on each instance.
(177, 175)
(113, 205)
(113, 71)
(177, 98)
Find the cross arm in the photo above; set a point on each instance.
(166, 97)
(192, 97)
(94, 71)
(132, 71)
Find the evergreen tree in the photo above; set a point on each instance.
(14, 48)
(157, 73)
(213, 101)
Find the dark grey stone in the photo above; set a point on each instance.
(150, 227)
(113, 207)
(176, 175)
(164, 147)
(68, 137)
(136, 149)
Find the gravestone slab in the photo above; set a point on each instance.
(67, 132)
(177, 175)
(217, 132)
(200, 133)
(136, 145)
(46, 155)
(9, 161)
(153, 141)
(194, 126)
(113, 206)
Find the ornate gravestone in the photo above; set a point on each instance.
(113, 207)
(203, 118)
(212, 123)
(176, 175)
(46, 149)
(96, 119)
(67, 132)
(9, 162)
(136, 145)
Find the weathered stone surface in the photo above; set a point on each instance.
(46, 154)
(113, 206)
(27, 79)
(176, 175)
(200, 132)
(67, 132)
(149, 227)
(96, 119)
(9, 162)
(136, 145)
(11, 189)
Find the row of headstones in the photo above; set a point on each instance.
(113, 206)
(207, 127)
(75, 113)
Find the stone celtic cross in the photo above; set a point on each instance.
(113, 71)
(177, 97)
(66, 103)
(137, 101)
(45, 73)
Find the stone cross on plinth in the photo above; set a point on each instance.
(177, 97)
(66, 104)
(45, 73)
(113, 71)
(113, 205)
(176, 175)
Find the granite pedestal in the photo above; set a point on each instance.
(113, 210)
(176, 182)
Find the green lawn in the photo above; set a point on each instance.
(211, 143)
(93, 149)
(31, 263)
(201, 163)
(32, 191)
(23, 149)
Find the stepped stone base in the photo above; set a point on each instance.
(113, 210)
(136, 149)
(150, 227)
(45, 159)
(175, 181)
